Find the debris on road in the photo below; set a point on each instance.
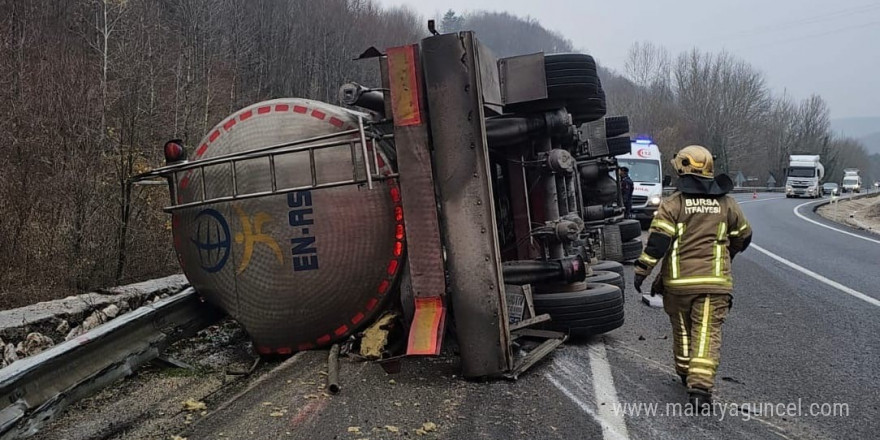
(194, 405)
(376, 336)
(426, 428)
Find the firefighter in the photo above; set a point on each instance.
(626, 189)
(697, 231)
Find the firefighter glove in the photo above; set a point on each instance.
(637, 282)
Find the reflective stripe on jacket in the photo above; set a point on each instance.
(696, 234)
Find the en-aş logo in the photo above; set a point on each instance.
(644, 152)
(211, 240)
(251, 234)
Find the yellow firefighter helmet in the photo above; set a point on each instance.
(694, 160)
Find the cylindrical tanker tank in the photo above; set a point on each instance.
(302, 261)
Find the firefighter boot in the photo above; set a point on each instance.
(700, 401)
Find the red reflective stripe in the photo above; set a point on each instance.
(246, 115)
(357, 318)
(392, 267)
(398, 213)
(383, 286)
(305, 346)
(399, 232)
(319, 114)
(282, 108)
(263, 350)
(214, 136)
(341, 330)
(426, 331)
(324, 339)
(264, 110)
(229, 124)
(398, 249)
(284, 350)
(371, 304)
(395, 195)
(184, 182)
(300, 109)
(336, 122)
(201, 150)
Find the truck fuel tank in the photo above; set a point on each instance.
(293, 244)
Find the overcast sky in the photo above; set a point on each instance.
(803, 46)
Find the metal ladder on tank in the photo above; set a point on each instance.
(270, 153)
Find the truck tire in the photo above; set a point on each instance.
(632, 249)
(596, 296)
(629, 229)
(618, 145)
(612, 244)
(578, 71)
(569, 59)
(609, 277)
(596, 310)
(609, 266)
(616, 126)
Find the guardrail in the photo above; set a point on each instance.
(37, 389)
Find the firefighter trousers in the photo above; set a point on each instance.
(696, 328)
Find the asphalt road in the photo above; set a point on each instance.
(803, 333)
(800, 343)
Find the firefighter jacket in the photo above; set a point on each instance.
(696, 234)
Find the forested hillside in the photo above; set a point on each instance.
(91, 89)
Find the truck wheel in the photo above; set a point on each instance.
(629, 229)
(618, 145)
(616, 126)
(596, 296)
(596, 310)
(612, 243)
(608, 277)
(609, 266)
(632, 249)
(565, 60)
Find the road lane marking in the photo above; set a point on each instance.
(818, 277)
(803, 217)
(606, 394)
(612, 423)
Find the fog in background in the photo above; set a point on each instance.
(803, 46)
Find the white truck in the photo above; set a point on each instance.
(852, 182)
(646, 172)
(804, 176)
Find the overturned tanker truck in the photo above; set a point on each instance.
(455, 193)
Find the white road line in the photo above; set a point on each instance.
(803, 217)
(818, 277)
(606, 394)
(610, 420)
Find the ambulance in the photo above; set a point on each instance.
(646, 172)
